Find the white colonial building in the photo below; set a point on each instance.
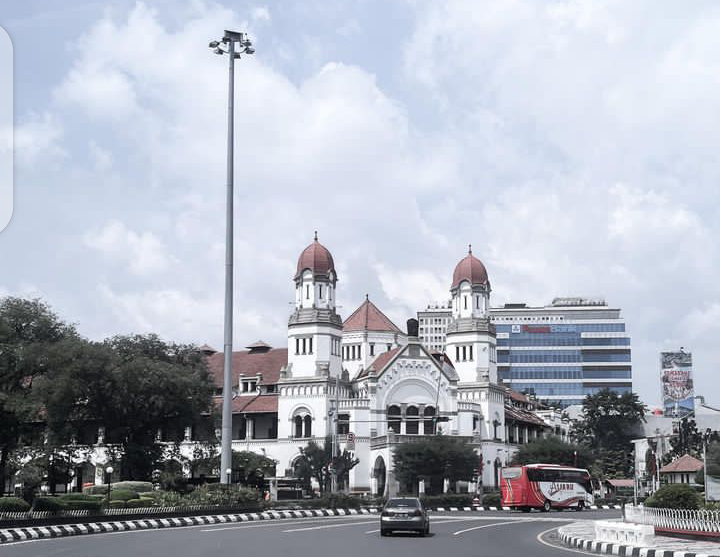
(386, 385)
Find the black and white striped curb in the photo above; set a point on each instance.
(609, 548)
(478, 508)
(41, 532)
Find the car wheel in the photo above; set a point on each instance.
(427, 529)
(546, 506)
(384, 532)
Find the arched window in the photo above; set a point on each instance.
(428, 413)
(308, 425)
(412, 420)
(393, 419)
(298, 426)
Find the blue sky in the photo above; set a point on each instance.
(572, 142)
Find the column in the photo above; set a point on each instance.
(248, 428)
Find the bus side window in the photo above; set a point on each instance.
(533, 475)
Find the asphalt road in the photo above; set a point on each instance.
(459, 534)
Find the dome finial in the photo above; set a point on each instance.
(367, 298)
(316, 235)
(469, 249)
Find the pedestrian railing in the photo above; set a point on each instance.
(700, 522)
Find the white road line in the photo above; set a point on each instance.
(329, 526)
(373, 531)
(277, 522)
(490, 526)
(542, 541)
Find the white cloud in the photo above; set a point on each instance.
(143, 253)
(37, 138)
(260, 13)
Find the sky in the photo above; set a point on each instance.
(573, 143)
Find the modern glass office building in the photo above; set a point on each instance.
(564, 351)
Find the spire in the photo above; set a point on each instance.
(469, 249)
(316, 236)
(367, 299)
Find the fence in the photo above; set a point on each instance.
(676, 521)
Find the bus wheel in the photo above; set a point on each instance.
(525, 509)
(546, 506)
(580, 506)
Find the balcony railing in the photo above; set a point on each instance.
(678, 521)
(382, 441)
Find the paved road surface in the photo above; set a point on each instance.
(453, 535)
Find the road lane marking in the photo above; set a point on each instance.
(373, 531)
(491, 525)
(542, 541)
(325, 526)
(275, 522)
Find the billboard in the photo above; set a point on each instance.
(677, 383)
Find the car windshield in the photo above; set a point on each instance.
(411, 503)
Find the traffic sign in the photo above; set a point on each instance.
(350, 442)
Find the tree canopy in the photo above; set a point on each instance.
(553, 450)
(315, 464)
(434, 459)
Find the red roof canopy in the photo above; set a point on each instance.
(245, 363)
(369, 318)
(685, 463)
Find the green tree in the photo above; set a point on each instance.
(434, 459)
(553, 450)
(674, 496)
(28, 331)
(608, 424)
(313, 465)
(251, 466)
(134, 386)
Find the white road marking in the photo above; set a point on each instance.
(325, 526)
(276, 522)
(490, 526)
(542, 541)
(373, 531)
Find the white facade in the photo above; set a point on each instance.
(383, 385)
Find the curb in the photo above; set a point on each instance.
(609, 548)
(64, 530)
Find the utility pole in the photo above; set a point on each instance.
(333, 474)
(229, 40)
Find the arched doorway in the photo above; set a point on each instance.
(380, 475)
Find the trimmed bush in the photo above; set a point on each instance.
(674, 496)
(448, 500)
(230, 496)
(492, 500)
(117, 504)
(131, 485)
(92, 505)
(77, 497)
(52, 504)
(123, 495)
(13, 505)
(140, 503)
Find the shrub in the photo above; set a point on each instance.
(231, 496)
(101, 489)
(117, 504)
(13, 505)
(168, 499)
(492, 500)
(448, 500)
(52, 504)
(174, 482)
(77, 497)
(140, 503)
(92, 505)
(674, 496)
(123, 495)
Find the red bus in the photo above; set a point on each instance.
(546, 486)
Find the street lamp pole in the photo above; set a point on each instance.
(109, 471)
(229, 41)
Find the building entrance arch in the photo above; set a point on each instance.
(380, 475)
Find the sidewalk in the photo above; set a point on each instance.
(582, 535)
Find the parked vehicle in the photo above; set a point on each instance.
(404, 513)
(546, 486)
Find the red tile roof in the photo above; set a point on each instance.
(317, 258)
(470, 269)
(685, 463)
(380, 362)
(621, 483)
(369, 318)
(251, 404)
(266, 364)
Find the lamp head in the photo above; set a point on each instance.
(214, 44)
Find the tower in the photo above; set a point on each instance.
(470, 341)
(314, 328)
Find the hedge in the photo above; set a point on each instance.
(13, 505)
(123, 495)
(140, 503)
(52, 504)
(448, 500)
(492, 500)
(131, 485)
(674, 496)
(92, 505)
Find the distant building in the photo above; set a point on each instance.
(433, 322)
(562, 352)
(681, 470)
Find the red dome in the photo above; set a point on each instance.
(470, 269)
(316, 258)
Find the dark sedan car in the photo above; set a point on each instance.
(404, 513)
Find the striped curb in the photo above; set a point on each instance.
(63, 530)
(609, 548)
